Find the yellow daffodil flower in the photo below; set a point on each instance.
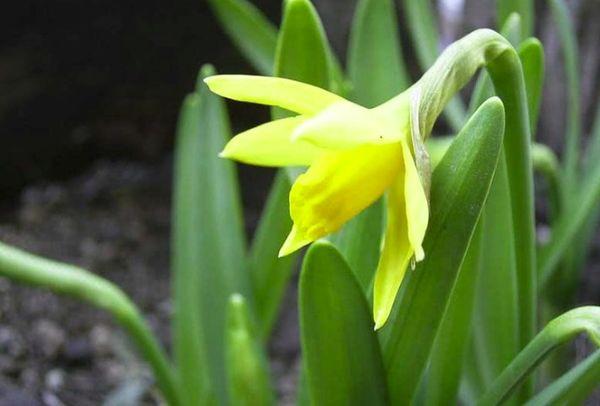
(354, 155)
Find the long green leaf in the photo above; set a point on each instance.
(188, 347)
(525, 9)
(270, 274)
(302, 48)
(253, 34)
(447, 357)
(573, 387)
(568, 226)
(531, 53)
(568, 41)
(247, 367)
(496, 316)
(208, 244)
(581, 246)
(558, 331)
(340, 349)
(422, 25)
(495, 334)
(376, 68)
(460, 186)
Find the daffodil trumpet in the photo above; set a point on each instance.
(355, 154)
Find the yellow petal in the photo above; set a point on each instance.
(285, 93)
(346, 125)
(270, 145)
(337, 187)
(417, 207)
(293, 242)
(395, 255)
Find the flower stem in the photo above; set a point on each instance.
(453, 70)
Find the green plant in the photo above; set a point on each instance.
(464, 321)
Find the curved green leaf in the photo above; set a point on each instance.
(573, 387)
(342, 357)
(558, 331)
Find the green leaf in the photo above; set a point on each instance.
(531, 53)
(253, 34)
(568, 41)
(524, 8)
(581, 246)
(270, 274)
(375, 65)
(496, 315)
(188, 347)
(422, 25)
(460, 185)
(207, 244)
(247, 367)
(342, 357)
(302, 48)
(441, 382)
(573, 387)
(567, 227)
(558, 331)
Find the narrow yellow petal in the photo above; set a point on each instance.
(289, 94)
(340, 185)
(345, 125)
(395, 255)
(270, 145)
(294, 241)
(417, 207)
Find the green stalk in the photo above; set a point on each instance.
(453, 69)
(83, 285)
(558, 331)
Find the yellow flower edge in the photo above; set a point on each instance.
(354, 156)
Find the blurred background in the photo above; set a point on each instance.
(89, 97)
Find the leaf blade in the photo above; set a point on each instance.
(342, 357)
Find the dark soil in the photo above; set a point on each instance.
(113, 220)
